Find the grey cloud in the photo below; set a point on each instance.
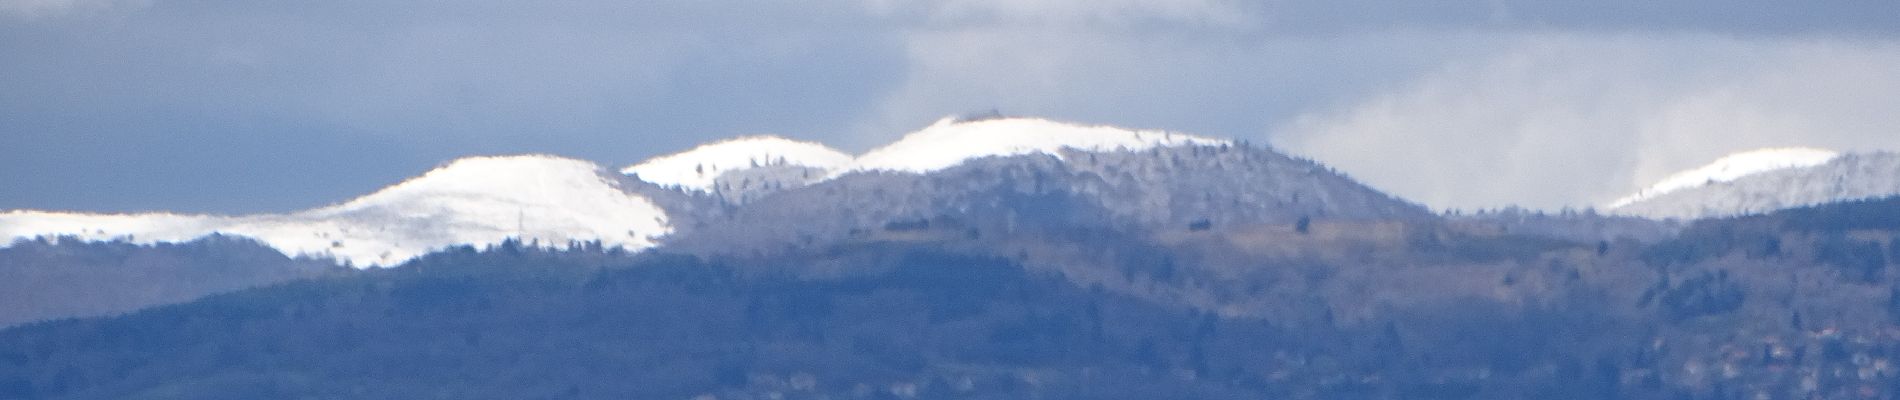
(1309, 17)
(1178, 13)
(1745, 17)
(1215, 87)
(1568, 120)
(37, 9)
(402, 85)
(235, 106)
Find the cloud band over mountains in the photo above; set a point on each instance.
(228, 106)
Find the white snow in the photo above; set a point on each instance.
(698, 168)
(475, 201)
(949, 143)
(483, 201)
(1732, 167)
(1849, 177)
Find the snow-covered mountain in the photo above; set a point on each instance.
(737, 170)
(1732, 167)
(1010, 173)
(1767, 180)
(1141, 176)
(951, 142)
(742, 169)
(1013, 170)
(472, 201)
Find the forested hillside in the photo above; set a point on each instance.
(1787, 305)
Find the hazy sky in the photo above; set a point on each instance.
(252, 106)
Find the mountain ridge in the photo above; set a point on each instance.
(468, 201)
(1838, 178)
(950, 168)
(1731, 167)
(949, 142)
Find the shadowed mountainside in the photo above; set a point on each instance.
(47, 279)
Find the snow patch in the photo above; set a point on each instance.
(1732, 167)
(699, 167)
(951, 142)
(1848, 177)
(475, 201)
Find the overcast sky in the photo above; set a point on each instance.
(261, 106)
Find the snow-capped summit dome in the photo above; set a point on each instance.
(483, 201)
(1732, 167)
(1782, 179)
(472, 201)
(700, 167)
(517, 179)
(950, 142)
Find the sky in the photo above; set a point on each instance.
(217, 106)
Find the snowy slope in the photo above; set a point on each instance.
(700, 167)
(949, 143)
(472, 201)
(1732, 167)
(1839, 178)
(1024, 175)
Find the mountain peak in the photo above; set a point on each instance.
(700, 167)
(470, 201)
(1732, 167)
(1846, 177)
(487, 176)
(951, 141)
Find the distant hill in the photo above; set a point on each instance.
(740, 169)
(1770, 305)
(1137, 176)
(471, 201)
(65, 278)
(1031, 178)
(763, 194)
(995, 257)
